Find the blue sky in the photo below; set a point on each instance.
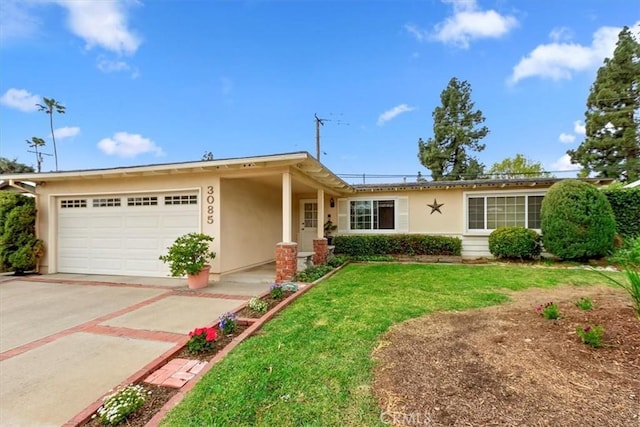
(164, 81)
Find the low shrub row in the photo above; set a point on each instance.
(396, 244)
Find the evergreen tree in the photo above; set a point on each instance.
(612, 144)
(456, 132)
(517, 167)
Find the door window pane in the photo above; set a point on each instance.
(311, 215)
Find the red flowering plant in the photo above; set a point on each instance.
(202, 339)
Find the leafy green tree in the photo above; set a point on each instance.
(49, 107)
(612, 144)
(19, 247)
(456, 132)
(13, 166)
(517, 167)
(36, 143)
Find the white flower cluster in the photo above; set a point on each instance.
(258, 305)
(119, 405)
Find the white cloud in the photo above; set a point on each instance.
(561, 33)
(579, 128)
(468, 23)
(125, 144)
(103, 24)
(393, 113)
(66, 132)
(20, 99)
(559, 60)
(415, 31)
(564, 164)
(109, 66)
(566, 138)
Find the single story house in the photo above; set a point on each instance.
(118, 221)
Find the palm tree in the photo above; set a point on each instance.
(34, 143)
(51, 105)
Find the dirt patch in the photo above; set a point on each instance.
(509, 366)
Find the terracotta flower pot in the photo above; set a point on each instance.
(200, 280)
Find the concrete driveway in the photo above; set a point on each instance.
(66, 340)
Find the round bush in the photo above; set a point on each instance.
(577, 221)
(515, 243)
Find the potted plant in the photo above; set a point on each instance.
(190, 255)
(329, 228)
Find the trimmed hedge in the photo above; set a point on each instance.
(515, 243)
(397, 244)
(625, 203)
(577, 221)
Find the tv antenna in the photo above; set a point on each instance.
(34, 143)
(320, 122)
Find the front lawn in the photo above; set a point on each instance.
(311, 365)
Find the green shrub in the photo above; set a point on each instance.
(625, 203)
(584, 303)
(337, 261)
(549, 311)
(313, 273)
(628, 254)
(515, 243)
(591, 335)
(19, 247)
(396, 244)
(577, 221)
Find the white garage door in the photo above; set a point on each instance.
(122, 234)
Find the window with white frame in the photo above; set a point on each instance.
(372, 215)
(488, 212)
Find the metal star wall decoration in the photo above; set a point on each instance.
(435, 207)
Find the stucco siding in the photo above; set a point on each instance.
(251, 223)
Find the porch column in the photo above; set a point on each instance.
(286, 207)
(320, 243)
(287, 250)
(320, 233)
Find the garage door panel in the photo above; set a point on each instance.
(142, 221)
(73, 264)
(105, 221)
(106, 243)
(104, 265)
(71, 243)
(146, 268)
(141, 243)
(180, 221)
(120, 240)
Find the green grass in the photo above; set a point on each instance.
(311, 365)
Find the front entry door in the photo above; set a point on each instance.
(308, 224)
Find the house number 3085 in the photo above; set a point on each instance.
(210, 199)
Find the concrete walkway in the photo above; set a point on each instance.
(66, 340)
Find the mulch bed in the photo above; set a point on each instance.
(509, 366)
(161, 395)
